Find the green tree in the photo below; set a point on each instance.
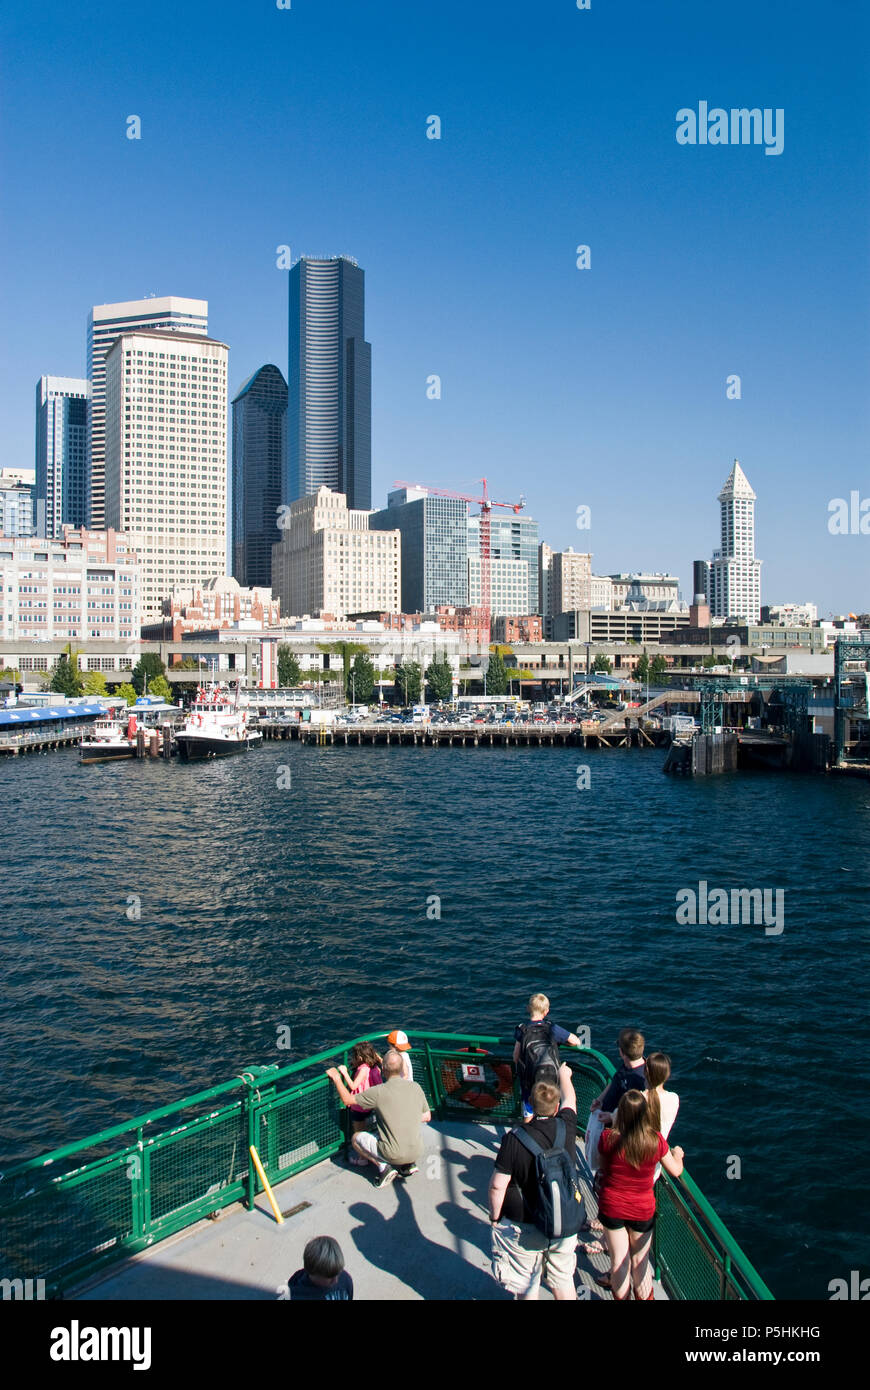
(710, 661)
(642, 669)
(160, 686)
(439, 677)
(603, 664)
(346, 650)
(147, 667)
(658, 667)
(127, 693)
(65, 678)
(94, 683)
(289, 670)
(362, 682)
(409, 680)
(496, 674)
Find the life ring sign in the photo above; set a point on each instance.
(482, 1085)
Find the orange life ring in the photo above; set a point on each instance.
(481, 1096)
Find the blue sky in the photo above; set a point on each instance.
(603, 387)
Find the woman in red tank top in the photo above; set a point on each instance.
(626, 1202)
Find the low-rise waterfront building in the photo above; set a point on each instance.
(791, 614)
(644, 623)
(83, 584)
(526, 628)
(220, 602)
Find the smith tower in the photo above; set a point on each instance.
(329, 379)
(735, 574)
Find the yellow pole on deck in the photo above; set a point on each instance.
(261, 1173)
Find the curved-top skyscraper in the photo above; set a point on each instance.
(259, 460)
(329, 409)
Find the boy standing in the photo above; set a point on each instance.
(630, 1076)
(536, 1047)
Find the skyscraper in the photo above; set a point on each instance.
(166, 457)
(735, 574)
(259, 457)
(434, 534)
(105, 323)
(61, 453)
(329, 409)
(511, 538)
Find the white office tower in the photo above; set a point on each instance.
(735, 574)
(105, 323)
(166, 457)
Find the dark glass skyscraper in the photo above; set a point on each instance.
(259, 462)
(329, 410)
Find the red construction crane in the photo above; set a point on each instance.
(486, 504)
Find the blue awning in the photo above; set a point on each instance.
(21, 715)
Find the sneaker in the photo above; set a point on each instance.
(386, 1177)
(407, 1169)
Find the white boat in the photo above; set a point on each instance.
(216, 726)
(112, 737)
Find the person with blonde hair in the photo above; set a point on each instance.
(536, 1050)
(629, 1153)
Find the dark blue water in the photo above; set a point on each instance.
(263, 906)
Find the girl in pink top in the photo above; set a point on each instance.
(366, 1065)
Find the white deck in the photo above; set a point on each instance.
(423, 1237)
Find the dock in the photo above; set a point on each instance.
(40, 741)
(585, 735)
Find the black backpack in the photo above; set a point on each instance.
(538, 1053)
(558, 1201)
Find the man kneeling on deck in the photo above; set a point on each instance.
(400, 1108)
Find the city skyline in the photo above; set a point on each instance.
(607, 386)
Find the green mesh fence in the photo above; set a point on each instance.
(69, 1214)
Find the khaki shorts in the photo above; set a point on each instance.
(522, 1256)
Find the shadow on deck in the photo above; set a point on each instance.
(423, 1237)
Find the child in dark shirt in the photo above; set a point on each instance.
(323, 1277)
(629, 1076)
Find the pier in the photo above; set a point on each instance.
(586, 735)
(40, 740)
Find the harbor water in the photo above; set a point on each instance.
(163, 925)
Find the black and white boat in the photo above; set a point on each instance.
(215, 727)
(112, 737)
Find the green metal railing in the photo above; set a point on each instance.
(87, 1205)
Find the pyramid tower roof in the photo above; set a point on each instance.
(736, 485)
